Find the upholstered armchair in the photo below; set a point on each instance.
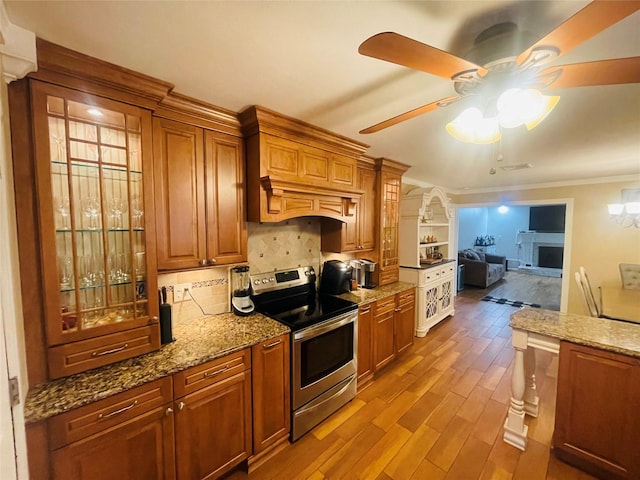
(482, 269)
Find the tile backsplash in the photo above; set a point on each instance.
(271, 246)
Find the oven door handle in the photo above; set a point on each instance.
(324, 327)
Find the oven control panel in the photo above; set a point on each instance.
(281, 279)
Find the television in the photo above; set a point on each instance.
(547, 218)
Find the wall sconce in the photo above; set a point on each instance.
(627, 213)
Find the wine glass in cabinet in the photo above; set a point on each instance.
(90, 157)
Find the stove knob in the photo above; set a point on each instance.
(271, 279)
(256, 282)
(264, 280)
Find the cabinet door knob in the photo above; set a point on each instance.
(168, 411)
(181, 406)
(203, 262)
(212, 261)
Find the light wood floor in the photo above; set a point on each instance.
(544, 291)
(436, 413)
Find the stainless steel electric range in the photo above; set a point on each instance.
(323, 342)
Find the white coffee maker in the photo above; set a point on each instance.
(241, 303)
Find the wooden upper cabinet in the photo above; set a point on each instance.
(89, 167)
(226, 198)
(389, 191)
(200, 196)
(356, 234)
(180, 194)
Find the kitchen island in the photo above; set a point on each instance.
(597, 425)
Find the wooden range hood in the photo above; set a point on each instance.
(295, 169)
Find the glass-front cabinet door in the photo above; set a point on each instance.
(91, 157)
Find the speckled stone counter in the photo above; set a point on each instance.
(196, 342)
(611, 335)
(368, 295)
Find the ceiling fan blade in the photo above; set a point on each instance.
(395, 48)
(443, 102)
(603, 72)
(591, 20)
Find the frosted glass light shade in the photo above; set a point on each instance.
(524, 107)
(615, 208)
(471, 127)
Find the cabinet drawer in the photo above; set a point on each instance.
(407, 297)
(389, 276)
(198, 377)
(84, 421)
(385, 305)
(448, 269)
(84, 355)
(429, 275)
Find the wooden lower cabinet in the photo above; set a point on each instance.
(213, 424)
(405, 314)
(385, 329)
(383, 332)
(139, 449)
(365, 344)
(271, 401)
(128, 436)
(597, 425)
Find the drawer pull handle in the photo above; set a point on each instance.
(104, 416)
(108, 352)
(398, 310)
(271, 345)
(217, 372)
(365, 310)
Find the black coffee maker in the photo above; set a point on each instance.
(336, 277)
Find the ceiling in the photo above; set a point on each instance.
(300, 58)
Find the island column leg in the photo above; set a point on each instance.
(515, 430)
(531, 398)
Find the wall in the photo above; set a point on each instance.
(477, 221)
(271, 246)
(471, 223)
(505, 226)
(593, 239)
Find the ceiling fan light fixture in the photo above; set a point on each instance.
(527, 107)
(472, 127)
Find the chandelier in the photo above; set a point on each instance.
(626, 213)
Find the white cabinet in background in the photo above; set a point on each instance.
(435, 293)
(426, 227)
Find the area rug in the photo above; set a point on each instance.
(505, 301)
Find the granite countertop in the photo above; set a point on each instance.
(368, 295)
(611, 335)
(197, 341)
(426, 266)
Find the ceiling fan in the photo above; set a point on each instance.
(505, 60)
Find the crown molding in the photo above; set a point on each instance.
(17, 49)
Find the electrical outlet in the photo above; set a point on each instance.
(179, 292)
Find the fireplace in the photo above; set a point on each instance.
(550, 257)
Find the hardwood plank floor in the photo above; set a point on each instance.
(544, 291)
(435, 413)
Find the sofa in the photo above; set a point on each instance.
(482, 269)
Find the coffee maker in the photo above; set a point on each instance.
(240, 291)
(368, 267)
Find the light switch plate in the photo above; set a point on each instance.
(179, 292)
